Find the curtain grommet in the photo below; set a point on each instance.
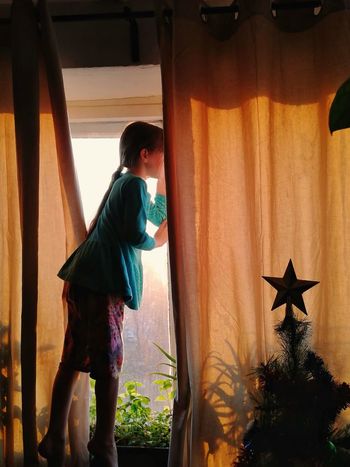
(276, 5)
(220, 21)
(294, 16)
(167, 15)
(206, 10)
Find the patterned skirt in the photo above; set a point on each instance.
(93, 341)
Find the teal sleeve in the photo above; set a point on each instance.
(135, 215)
(157, 211)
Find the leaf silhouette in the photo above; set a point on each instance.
(339, 114)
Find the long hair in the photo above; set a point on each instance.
(135, 137)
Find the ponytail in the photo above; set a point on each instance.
(136, 136)
(115, 177)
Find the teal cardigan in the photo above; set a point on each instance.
(109, 260)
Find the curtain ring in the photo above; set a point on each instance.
(318, 9)
(276, 5)
(205, 10)
(220, 21)
(167, 15)
(204, 17)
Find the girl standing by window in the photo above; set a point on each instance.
(102, 275)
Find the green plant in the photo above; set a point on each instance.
(137, 424)
(166, 386)
(92, 408)
(166, 391)
(172, 364)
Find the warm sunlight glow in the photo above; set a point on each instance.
(95, 161)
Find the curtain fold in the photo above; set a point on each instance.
(254, 178)
(182, 401)
(42, 222)
(78, 422)
(26, 112)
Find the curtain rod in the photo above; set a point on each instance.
(131, 15)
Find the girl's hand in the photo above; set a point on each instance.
(161, 235)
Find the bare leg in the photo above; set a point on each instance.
(52, 446)
(102, 445)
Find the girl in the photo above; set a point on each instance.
(102, 275)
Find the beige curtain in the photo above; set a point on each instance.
(41, 223)
(254, 179)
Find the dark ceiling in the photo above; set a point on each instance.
(98, 33)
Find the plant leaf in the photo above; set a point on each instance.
(169, 364)
(168, 356)
(339, 114)
(158, 381)
(164, 374)
(160, 398)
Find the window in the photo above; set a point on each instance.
(95, 161)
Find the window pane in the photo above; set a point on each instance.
(95, 161)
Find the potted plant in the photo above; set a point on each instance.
(142, 435)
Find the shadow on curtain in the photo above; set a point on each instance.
(42, 223)
(254, 178)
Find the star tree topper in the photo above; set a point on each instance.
(290, 289)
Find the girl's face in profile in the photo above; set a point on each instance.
(154, 163)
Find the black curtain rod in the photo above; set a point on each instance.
(131, 15)
(126, 14)
(296, 5)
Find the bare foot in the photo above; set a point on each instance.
(103, 454)
(53, 450)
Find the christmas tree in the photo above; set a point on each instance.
(297, 399)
